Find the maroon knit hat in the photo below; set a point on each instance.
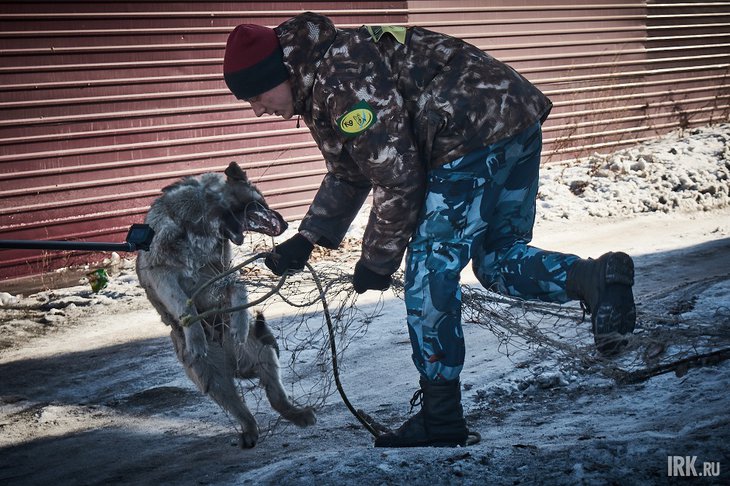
(254, 62)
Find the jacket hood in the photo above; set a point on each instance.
(304, 41)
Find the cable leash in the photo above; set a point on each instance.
(335, 368)
(188, 320)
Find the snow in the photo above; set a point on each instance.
(91, 392)
(677, 172)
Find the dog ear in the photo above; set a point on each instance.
(172, 186)
(235, 172)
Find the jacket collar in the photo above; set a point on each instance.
(304, 39)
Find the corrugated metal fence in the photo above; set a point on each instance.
(103, 104)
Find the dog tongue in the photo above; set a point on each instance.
(264, 220)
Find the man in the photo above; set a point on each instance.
(448, 139)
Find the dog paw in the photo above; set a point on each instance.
(247, 440)
(195, 343)
(302, 417)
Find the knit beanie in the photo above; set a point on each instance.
(254, 62)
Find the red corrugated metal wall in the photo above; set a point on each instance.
(618, 71)
(103, 104)
(688, 63)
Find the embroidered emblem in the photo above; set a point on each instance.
(358, 119)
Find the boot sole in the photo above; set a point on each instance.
(430, 443)
(471, 439)
(615, 316)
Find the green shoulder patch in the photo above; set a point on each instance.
(357, 119)
(398, 32)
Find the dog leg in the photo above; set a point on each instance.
(239, 322)
(213, 375)
(280, 401)
(268, 371)
(195, 343)
(174, 300)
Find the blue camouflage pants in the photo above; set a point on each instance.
(480, 207)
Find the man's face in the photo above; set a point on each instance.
(276, 101)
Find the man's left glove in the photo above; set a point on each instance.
(365, 279)
(290, 255)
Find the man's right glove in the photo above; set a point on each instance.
(290, 255)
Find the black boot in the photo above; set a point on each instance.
(439, 423)
(604, 288)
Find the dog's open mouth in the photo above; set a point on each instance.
(254, 217)
(261, 219)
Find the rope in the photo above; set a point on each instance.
(188, 320)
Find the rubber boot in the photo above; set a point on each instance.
(604, 288)
(439, 423)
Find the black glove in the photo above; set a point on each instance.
(290, 255)
(365, 279)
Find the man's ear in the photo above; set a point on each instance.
(234, 172)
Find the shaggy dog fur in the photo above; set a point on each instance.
(194, 222)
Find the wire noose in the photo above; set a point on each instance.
(188, 320)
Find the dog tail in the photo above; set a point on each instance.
(263, 333)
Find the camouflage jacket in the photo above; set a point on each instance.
(383, 109)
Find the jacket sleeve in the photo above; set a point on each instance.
(337, 202)
(386, 155)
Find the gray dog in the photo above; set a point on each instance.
(193, 222)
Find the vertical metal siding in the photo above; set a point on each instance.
(102, 104)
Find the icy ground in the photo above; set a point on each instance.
(91, 393)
